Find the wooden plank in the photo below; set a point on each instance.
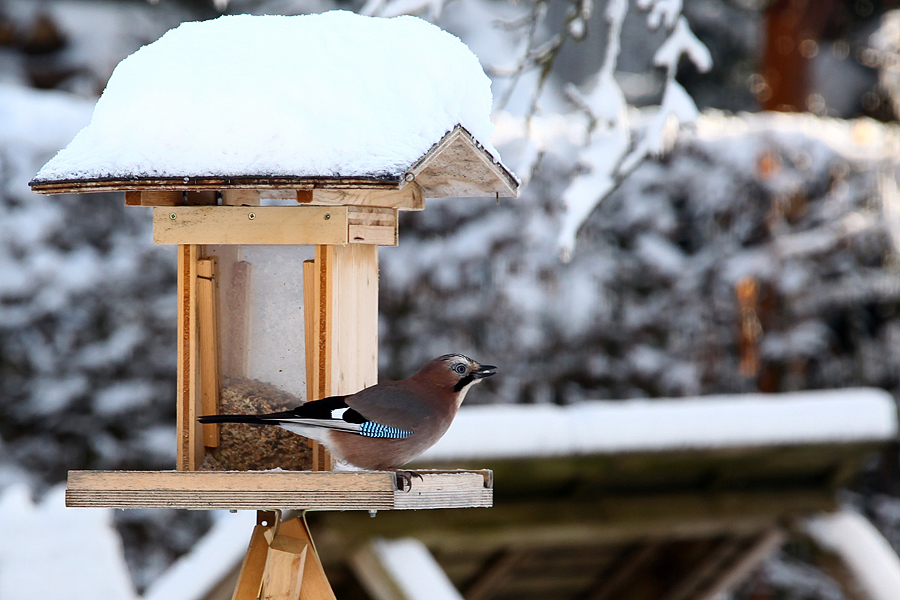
(240, 197)
(490, 580)
(369, 225)
(81, 186)
(411, 197)
(717, 559)
(458, 166)
(310, 327)
(250, 225)
(242, 490)
(189, 454)
(354, 319)
(283, 573)
(253, 566)
(610, 518)
(622, 572)
(315, 583)
(132, 198)
(162, 198)
(758, 550)
(207, 317)
(322, 298)
(371, 572)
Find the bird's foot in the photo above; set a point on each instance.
(404, 479)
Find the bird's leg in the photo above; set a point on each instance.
(405, 476)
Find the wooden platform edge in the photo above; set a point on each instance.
(258, 490)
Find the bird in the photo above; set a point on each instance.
(386, 425)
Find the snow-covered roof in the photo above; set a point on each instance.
(606, 427)
(334, 95)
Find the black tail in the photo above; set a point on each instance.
(270, 419)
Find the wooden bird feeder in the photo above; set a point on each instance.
(277, 289)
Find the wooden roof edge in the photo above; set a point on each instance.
(506, 179)
(111, 184)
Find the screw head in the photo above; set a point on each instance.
(327, 216)
(173, 216)
(251, 216)
(409, 177)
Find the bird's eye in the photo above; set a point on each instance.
(459, 368)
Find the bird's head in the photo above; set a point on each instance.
(456, 372)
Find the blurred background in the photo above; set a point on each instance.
(709, 206)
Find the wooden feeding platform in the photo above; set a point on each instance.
(296, 490)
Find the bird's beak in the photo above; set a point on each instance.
(484, 371)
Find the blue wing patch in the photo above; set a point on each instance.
(377, 430)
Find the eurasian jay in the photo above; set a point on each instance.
(384, 426)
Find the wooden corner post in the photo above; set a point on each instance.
(190, 435)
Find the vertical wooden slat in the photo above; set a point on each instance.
(190, 446)
(311, 331)
(354, 297)
(323, 273)
(207, 317)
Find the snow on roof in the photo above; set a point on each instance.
(334, 94)
(601, 427)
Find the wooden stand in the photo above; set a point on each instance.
(281, 562)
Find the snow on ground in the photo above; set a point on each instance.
(523, 431)
(48, 551)
(334, 94)
(195, 574)
(869, 557)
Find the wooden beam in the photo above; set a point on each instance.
(401, 570)
(250, 225)
(315, 583)
(253, 566)
(132, 198)
(162, 198)
(208, 323)
(410, 197)
(189, 454)
(367, 225)
(495, 575)
(750, 558)
(614, 518)
(717, 560)
(240, 197)
(84, 186)
(217, 490)
(612, 580)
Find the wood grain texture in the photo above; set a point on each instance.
(251, 573)
(354, 318)
(250, 225)
(84, 186)
(207, 321)
(371, 225)
(411, 197)
(249, 490)
(240, 197)
(458, 166)
(189, 452)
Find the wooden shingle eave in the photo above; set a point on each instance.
(456, 166)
